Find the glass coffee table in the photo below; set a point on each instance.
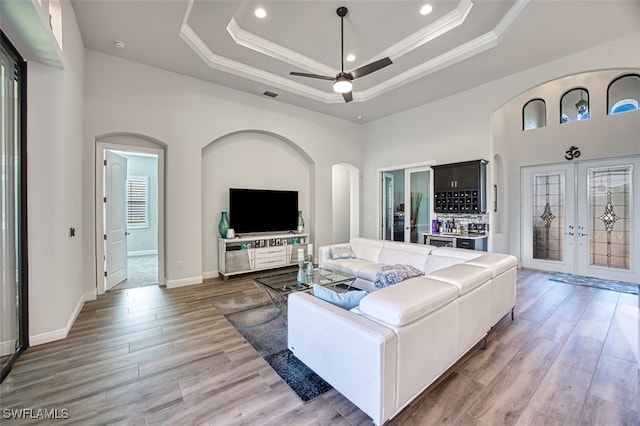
(279, 286)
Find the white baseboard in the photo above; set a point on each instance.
(183, 282)
(52, 336)
(210, 274)
(142, 253)
(8, 347)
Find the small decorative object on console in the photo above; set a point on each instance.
(300, 228)
(223, 225)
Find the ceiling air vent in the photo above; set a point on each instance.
(270, 94)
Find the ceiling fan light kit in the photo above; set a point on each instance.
(342, 82)
(342, 85)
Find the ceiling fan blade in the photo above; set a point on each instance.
(321, 77)
(369, 68)
(348, 96)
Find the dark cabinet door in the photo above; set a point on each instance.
(468, 176)
(444, 178)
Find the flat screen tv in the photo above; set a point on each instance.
(262, 210)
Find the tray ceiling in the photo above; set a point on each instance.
(461, 44)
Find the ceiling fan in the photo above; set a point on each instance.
(342, 81)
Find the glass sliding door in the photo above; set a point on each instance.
(13, 286)
(417, 183)
(406, 207)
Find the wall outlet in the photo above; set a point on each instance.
(180, 264)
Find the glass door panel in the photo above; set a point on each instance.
(548, 218)
(419, 219)
(606, 229)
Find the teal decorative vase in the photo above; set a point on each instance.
(300, 228)
(223, 225)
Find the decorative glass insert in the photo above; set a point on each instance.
(534, 114)
(623, 94)
(574, 105)
(548, 215)
(609, 195)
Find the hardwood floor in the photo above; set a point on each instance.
(157, 356)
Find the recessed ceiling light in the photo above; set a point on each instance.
(351, 57)
(119, 44)
(359, 117)
(426, 9)
(260, 12)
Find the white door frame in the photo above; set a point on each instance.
(101, 147)
(385, 200)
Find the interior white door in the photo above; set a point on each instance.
(581, 218)
(548, 212)
(115, 214)
(608, 230)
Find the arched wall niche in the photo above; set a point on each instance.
(251, 159)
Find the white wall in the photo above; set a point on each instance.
(187, 114)
(459, 128)
(341, 196)
(55, 196)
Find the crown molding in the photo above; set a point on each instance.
(437, 28)
(432, 31)
(259, 44)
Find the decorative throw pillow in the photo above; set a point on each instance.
(346, 300)
(393, 274)
(341, 252)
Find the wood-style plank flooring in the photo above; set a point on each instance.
(158, 356)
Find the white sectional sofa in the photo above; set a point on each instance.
(401, 338)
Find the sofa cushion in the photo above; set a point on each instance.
(497, 263)
(346, 300)
(464, 276)
(412, 247)
(435, 263)
(464, 254)
(366, 249)
(392, 256)
(341, 252)
(348, 266)
(402, 304)
(393, 274)
(370, 271)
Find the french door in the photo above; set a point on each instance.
(406, 208)
(582, 218)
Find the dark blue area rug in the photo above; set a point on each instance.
(265, 328)
(620, 286)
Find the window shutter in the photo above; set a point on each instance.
(137, 201)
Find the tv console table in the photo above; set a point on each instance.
(259, 252)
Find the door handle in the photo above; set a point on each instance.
(568, 233)
(127, 233)
(580, 234)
